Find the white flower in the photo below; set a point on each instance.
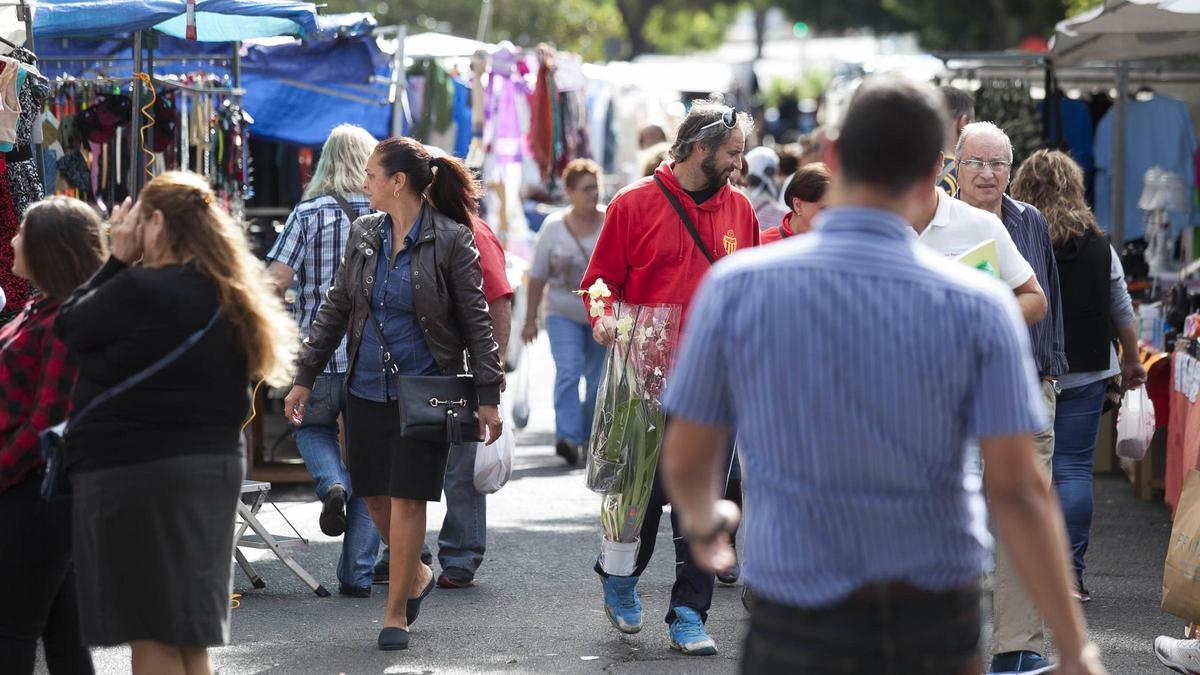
(597, 309)
(625, 329)
(599, 290)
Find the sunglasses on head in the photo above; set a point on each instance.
(728, 118)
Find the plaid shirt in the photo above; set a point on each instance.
(36, 379)
(312, 243)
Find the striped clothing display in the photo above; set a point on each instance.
(853, 451)
(312, 243)
(1031, 235)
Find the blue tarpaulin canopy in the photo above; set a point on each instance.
(216, 20)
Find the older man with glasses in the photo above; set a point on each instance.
(984, 157)
(660, 237)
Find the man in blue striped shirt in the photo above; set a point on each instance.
(867, 545)
(984, 157)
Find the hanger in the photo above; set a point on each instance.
(10, 44)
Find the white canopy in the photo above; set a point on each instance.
(1126, 30)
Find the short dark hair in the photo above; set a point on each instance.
(695, 127)
(892, 134)
(808, 184)
(61, 244)
(958, 103)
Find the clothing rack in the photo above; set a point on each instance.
(24, 15)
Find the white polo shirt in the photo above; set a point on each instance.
(958, 227)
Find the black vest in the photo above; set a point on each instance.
(1083, 279)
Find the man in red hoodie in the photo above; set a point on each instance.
(660, 237)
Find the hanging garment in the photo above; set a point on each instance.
(1158, 133)
(542, 120)
(16, 289)
(504, 130)
(462, 118)
(437, 109)
(10, 104)
(24, 181)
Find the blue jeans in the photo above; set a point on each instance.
(463, 538)
(576, 355)
(1075, 427)
(317, 439)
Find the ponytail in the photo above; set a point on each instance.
(453, 191)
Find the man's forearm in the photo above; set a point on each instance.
(501, 312)
(1030, 524)
(1128, 337)
(690, 459)
(1033, 306)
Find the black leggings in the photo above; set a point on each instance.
(40, 592)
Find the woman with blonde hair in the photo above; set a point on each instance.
(156, 468)
(1096, 308)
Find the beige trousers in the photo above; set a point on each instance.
(1016, 623)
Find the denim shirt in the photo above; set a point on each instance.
(392, 306)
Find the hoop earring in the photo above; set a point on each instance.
(396, 194)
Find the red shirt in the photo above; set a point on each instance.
(645, 253)
(779, 232)
(35, 386)
(491, 262)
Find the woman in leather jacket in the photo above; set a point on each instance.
(409, 285)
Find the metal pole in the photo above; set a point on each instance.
(398, 90)
(1118, 155)
(135, 165)
(485, 20)
(237, 65)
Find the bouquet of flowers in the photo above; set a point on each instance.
(627, 430)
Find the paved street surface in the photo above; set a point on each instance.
(536, 606)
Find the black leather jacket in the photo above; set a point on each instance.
(447, 294)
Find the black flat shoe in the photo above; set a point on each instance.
(333, 512)
(568, 451)
(354, 591)
(413, 608)
(392, 639)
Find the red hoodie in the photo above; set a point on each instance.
(645, 253)
(780, 232)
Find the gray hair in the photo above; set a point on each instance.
(983, 128)
(702, 114)
(343, 164)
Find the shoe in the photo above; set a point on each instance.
(413, 608)
(455, 578)
(568, 451)
(1029, 663)
(1079, 591)
(383, 572)
(688, 636)
(354, 591)
(333, 513)
(621, 603)
(392, 639)
(1181, 656)
(731, 575)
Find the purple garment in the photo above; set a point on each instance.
(504, 85)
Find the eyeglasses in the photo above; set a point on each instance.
(728, 118)
(996, 165)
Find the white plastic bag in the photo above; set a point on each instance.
(1135, 424)
(493, 463)
(520, 405)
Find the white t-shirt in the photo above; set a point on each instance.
(958, 227)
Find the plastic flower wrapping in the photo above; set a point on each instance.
(627, 430)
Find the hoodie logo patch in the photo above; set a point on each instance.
(730, 242)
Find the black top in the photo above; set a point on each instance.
(701, 196)
(124, 319)
(1084, 265)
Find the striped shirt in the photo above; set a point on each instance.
(1031, 234)
(854, 453)
(312, 244)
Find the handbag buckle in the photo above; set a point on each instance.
(434, 402)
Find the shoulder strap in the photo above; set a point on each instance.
(350, 213)
(146, 372)
(388, 362)
(582, 250)
(691, 228)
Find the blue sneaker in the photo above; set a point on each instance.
(688, 636)
(1027, 663)
(621, 603)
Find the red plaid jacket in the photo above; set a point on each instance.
(36, 379)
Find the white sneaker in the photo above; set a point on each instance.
(1181, 656)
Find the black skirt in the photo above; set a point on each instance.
(382, 464)
(154, 550)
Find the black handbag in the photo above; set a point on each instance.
(438, 408)
(54, 481)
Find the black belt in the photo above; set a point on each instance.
(22, 153)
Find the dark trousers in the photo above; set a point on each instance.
(693, 587)
(39, 583)
(888, 629)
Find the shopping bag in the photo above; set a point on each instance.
(520, 406)
(493, 463)
(1135, 424)
(1181, 571)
